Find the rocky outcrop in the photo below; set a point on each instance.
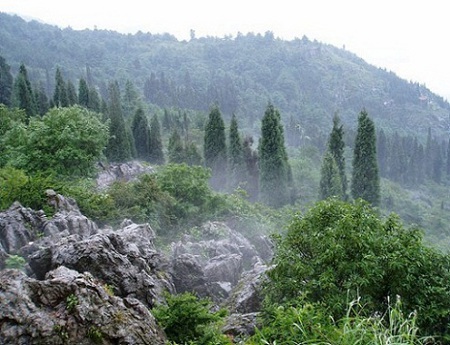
(69, 307)
(125, 259)
(211, 262)
(120, 172)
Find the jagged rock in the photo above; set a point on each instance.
(125, 259)
(18, 226)
(188, 275)
(240, 326)
(211, 266)
(73, 308)
(120, 172)
(246, 295)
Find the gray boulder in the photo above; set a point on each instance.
(120, 172)
(211, 262)
(70, 308)
(125, 259)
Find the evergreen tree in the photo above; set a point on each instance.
(118, 149)
(72, 96)
(23, 97)
(215, 150)
(193, 156)
(382, 153)
(6, 82)
(156, 154)
(130, 99)
(447, 167)
(330, 178)
(336, 148)
(167, 121)
(252, 171)
(175, 148)
(140, 131)
(236, 163)
(41, 100)
(365, 179)
(83, 93)
(60, 98)
(274, 169)
(95, 103)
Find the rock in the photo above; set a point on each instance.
(120, 172)
(125, 259)
(69, 307)
(211, 262)
(240, 326)
(18, 226)
(246, 296)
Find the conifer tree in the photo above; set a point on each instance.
(156, 154)
(60, 98)
(215, 150)
(83, 93)
(252, 170)
(236, 163)
(274, 170)
(6, 82)
(330, 178)
(365, 179)
(72, 96)
(336, 148)
(23, 97)
(140, 131)
(118, 149)
(95, 103)
(447, 166)
(175, 148)
(41, 100)
(192, 155)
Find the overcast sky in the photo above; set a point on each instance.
(407, 37)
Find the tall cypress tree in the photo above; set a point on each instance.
(336, 148)
(83, 93)
(72, 96)
(6, 82)
(118, 149)
(60, 98)
(23, 97)
(156, 154)
(274, 170)
(175, 148)
(330, 178)
(365, 178)
(236, 163)
(215, 149)
(140, 131)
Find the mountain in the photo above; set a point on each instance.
(308, 81)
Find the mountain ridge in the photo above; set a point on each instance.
(308, 81)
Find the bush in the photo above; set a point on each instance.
(338, 251)
(189, 320)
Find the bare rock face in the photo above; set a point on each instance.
(70, 308)
(125, 259)
(211, 262)
(120, 172)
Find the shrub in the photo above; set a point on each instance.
(187, 319)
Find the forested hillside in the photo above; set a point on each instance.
(307, 80)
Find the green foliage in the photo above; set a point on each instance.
(336, 147)
(236, 164)
(15, 262)
(156, 154)
(22, 96)
(6, 82)
(310, 324)
(330, 179)
(141, 134)
(71, 302)
(118, 148)
(339, 251)
(187, 319)
(67, 141)
(274, 170)
(95, 334)
(29, 190)
(60, 96)
(365, 178)
(215, 149)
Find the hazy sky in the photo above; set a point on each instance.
(407, 37)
